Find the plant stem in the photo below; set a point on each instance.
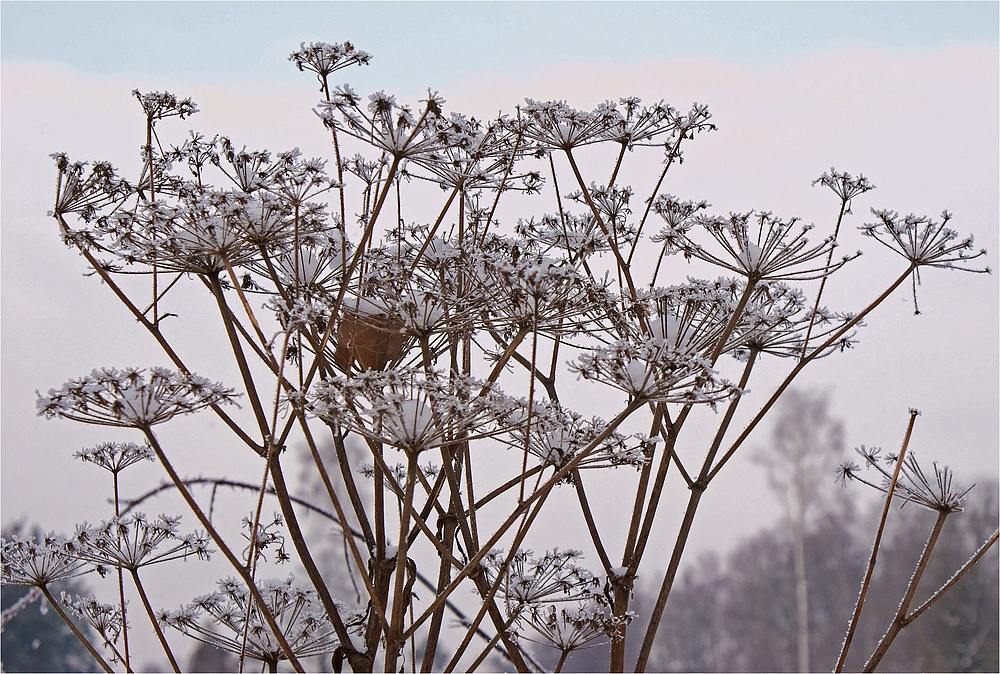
(955, 578)
(312, 570)
(875, 546)
(899, 621)
(588, 516)
(226, 551)
(671, 155)
(697, 489)
(241, 362)
(121, 579)
(622, 264)
(152, 620)
(75, 630)
(394, 639)
(822, 282)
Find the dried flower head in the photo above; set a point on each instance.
(199, 234)
(586, 625)
(536, 292)
(86, 194)
(924, 243)
(115, 457)
(412, 409)
(555, 125)
(295, 608)
(26, 561)
(912, 484)
(389, 126)
(134, 541)
(776, 322)
(647, 369)
(763, 247)
(553, 577)
(106, 619)
(845, 186)
(162, 104)
(131, 398)
(557, 435)
(323, 58)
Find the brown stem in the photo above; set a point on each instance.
(668, 578)
(506, 355)
(822, 282)
(875, 546)
(152, 620)
(955, 578)
(490, 645)
(899, 621)
(588, 516)
(499, 491)
(434, 228)
(348, 476)
(394, 639)
(618, 165)
(562, 661)
(226, 551)
(121, 580)
(378, 606)
(499, 191)
(448, 524)
(248, 310)
(622, 264)
(305, 557)
(75, 630)
(652, 198)
(163, 293)
(241, 361)
(801, 364)
(697, 488)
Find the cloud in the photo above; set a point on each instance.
(921, 125)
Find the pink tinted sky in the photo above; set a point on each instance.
(921, 125)
(921, 122)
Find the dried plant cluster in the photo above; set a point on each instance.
(441, 350)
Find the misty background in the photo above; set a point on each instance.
(906, 93)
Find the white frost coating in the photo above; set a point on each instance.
(751, 256)
(666, 328)
(411, 423)
(365, 306)
(637, 376)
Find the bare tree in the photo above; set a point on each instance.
(806, 445)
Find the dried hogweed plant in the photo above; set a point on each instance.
(900, 476)
(426, 369)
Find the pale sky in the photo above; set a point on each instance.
(431, 43)
(906, 93)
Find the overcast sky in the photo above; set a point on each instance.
(906, 93)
